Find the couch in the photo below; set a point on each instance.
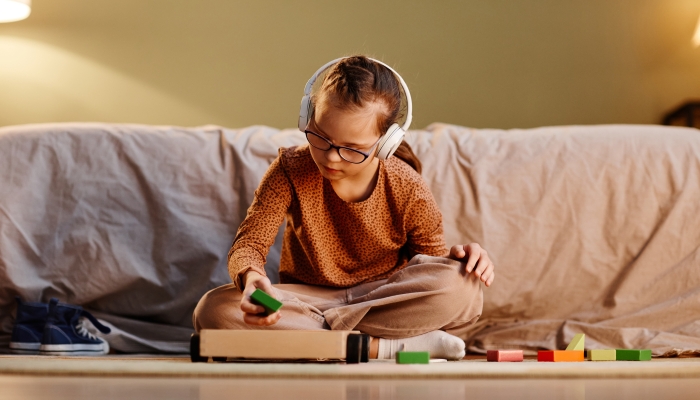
(593, 229)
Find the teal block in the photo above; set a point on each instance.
(633, 355)
(412, 357)
(270, 304)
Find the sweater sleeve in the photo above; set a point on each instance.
(258, 230)
(424, 222)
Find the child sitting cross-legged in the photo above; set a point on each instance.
(363, 246)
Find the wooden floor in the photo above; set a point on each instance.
(77, 388)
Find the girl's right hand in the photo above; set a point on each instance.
(253, 314)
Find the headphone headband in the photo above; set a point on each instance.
(409, 103)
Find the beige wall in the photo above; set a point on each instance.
(480, 63)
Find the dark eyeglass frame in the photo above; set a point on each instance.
(332, 146)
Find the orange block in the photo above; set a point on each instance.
(560, 355)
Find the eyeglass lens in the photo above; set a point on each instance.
(347, 154)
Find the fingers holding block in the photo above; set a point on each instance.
(268, 302)
(504, 355)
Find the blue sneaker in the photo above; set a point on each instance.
(65, 332)
(29, 327)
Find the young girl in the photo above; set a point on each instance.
(363, 247)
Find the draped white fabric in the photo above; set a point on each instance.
(593, 229)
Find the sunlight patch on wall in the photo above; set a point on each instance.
(42, 80)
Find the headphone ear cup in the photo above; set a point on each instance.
(390, 142)
(304, 112)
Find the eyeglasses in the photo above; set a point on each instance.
(348, 154)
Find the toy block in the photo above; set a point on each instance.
(270, 304)
(577, 343)
(602, 355)
(279, 345)
(504, 355)
(412, 357)
(560, 355)
(633, 355)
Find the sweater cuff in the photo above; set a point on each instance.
(238, 265)
(238, 277)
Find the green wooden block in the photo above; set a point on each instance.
(633, 355)
(412, 357)
(270, 304)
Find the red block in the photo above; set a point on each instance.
(504, 355)
(560, 355)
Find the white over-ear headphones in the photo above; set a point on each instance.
(393, 137)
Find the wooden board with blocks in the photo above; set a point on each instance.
(221, 344)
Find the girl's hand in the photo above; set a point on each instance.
(253, 314)
(478, 261)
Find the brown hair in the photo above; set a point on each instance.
(354, 81)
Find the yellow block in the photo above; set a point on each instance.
(602, 355)
(577, 342)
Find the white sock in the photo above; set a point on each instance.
(440, 344)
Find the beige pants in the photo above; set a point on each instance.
(431, 293)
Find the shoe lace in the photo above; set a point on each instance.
(82, 329)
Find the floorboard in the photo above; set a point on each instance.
(77, 388)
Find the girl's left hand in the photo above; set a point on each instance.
(477, 260)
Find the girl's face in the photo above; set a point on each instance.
(356, 129)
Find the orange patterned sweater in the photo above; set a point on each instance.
(331, 242)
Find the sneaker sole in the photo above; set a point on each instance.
(73, 353)
(24, 348)
(25, 352)
(74, 349)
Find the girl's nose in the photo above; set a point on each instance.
(332, 155)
